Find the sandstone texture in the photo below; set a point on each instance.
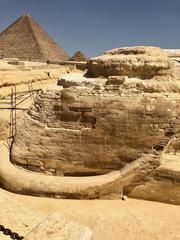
(140, 62)
(106, 219)
(4, 126)
(96, 125)
(81, 132)
(56, 227)
(106, 118)
(163, 184)
(23, 74)
(16, 216)
(36, 224)
(16, 72)
(106, 186)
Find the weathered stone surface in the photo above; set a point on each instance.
(106, 186)
(162, 185)
(91, 126)
(138, 175)
(4, 129)
(56, 227)
(140, 62)
(96, 125)
(79, 79)
(116, 80)
(137, 179)
(83, 132)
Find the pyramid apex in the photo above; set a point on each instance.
(26, 15)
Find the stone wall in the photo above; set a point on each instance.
(79, 130)
(90, 126)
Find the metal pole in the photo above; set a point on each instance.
(15, 110)
(10, 127)
(12, 110)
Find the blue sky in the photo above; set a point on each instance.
(94, 26)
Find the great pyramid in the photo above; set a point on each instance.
(25, 39)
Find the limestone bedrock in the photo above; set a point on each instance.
(140, 62)
(57, 227)
(101, 120)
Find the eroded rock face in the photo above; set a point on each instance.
(139, 62)
(92, 126)
(4, 129)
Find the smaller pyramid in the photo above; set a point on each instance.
(78, 57)
(26, 39)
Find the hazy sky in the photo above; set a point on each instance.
(94, 26)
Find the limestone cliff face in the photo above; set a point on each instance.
(92, 126)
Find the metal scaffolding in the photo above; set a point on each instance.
(12, 103)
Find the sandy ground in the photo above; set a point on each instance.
(108, 219)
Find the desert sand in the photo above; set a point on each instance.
(108, 219)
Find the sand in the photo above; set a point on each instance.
(108, 219)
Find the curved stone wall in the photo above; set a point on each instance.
(91, 126)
